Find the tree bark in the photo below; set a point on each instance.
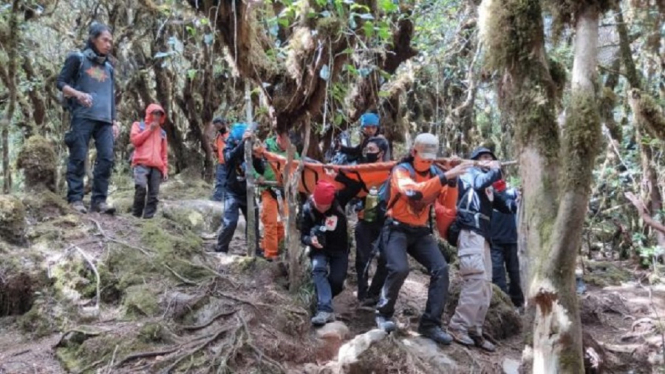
(292, 183)
(249, 177)
(12, 45)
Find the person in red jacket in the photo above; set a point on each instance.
(150, 160)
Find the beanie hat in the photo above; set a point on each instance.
(369, 119)
(324, 193)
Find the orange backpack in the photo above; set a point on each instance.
(445, 210)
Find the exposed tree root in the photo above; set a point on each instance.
(257, 305)
(97, 278)
(201, 346)
(213, 319)
(138, 355)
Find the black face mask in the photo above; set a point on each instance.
(372, 157)
(222, 130)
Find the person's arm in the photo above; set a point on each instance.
(66, 77)
(482, 180)
(235, 154)
(165, 158)
(402, 183)
(504, 203)
(352, 151)
(350, 190)
(306, 225)
(138, 137)
(259, 166)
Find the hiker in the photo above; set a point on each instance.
(218, 146)
(273, 228)
(367, 232)
(324, 229)
(369, 123)
(474, 211)
(236, 185)
(150, 160)
(86, 80)
(414, 186)
(503, 232)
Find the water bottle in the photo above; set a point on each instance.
(371, 201)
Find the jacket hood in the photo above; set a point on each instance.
(480, 151)
(154, 108)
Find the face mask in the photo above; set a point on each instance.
(372, 157)
(421, 165)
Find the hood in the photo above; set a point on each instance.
(480, 151)
(153, 108)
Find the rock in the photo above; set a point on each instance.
(197, 215)
(510, 366)
(39, 163)
(12, 220)
(429, 351)
(350, 352)
(336, 331)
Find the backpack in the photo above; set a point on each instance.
(384, 203)
(455, 227)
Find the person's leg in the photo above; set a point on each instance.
(427, 253)
(498, 267)
(103, 134)
(269, 213)
(154, 181)
(77, 141)
(339, 264)
(363, 252)
(324, 293)
(397, 266)
(140, 190)
(513, 266)
(486, 298)
(472, 270)
(229, 223)
(257, 235)
(220, 183)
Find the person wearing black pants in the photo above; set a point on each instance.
(503, 228)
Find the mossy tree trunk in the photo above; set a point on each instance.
(555, 171)
(12, 45)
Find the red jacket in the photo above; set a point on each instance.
(151, 146)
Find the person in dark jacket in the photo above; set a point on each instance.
(218, 146)
(369, 123)
(504, 245)
(324, 229)
(236, 186)
(86, 80)
(476, 201)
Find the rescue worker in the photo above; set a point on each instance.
(236, 186)
(273, 228)
(367, 232)
(413, 190)
(503, 229)
(369, 124)
(87, 80)
(474, 211)
(324, 229)
(218, 146)
(150, 160)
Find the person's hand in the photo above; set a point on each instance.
(84, 98)
(116, 129)
(315, 243)
(260, 179)
(247, 135)
(154, 125)
(165, 177)
(459, 170)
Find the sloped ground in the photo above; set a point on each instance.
(122, 295)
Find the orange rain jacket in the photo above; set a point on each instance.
(151, 146)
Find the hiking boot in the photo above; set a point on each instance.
(218, 249)
(369, 303)
(482, 343)
(461, 337)
(436, 334)
(321, 318)
(385, 324)
(79, 207)
(103, 208)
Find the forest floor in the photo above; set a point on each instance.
(165, 305)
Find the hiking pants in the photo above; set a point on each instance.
(232, 205)
(146, 184)
(77, 140)
(476, 294)
(220, 183)
(273, 228)
(328, 273)
(504, 257)
(420, 244)
(366, 235)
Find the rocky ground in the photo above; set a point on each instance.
(97, 294)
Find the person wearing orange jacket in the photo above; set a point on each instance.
(220, 125)
(150, 160)
(414, 187)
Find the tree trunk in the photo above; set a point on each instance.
(292, 183)
(249, 177)
(12, 45)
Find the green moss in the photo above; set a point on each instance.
(604, 274)
(565, 12)
(648, 113)
(39, 163)
(37, 322)
(140, 301)
(329, 26)
(45, 205)
(12, 219)
(153, 332)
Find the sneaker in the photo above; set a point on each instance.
(103, 208)
(436, 334)
(482, 343)
(79, 207)
(385, 324)
(461, 337)
(321, 318)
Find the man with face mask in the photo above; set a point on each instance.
(414, 187)
(476, 200)
(369, 124)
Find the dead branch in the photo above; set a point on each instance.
(89, 367)
(193, 351)
(97, 277)
(644, 213)
(225, 313)
(185, 280)
(257, 305)
(108, 368)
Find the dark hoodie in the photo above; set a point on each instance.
(234, 154)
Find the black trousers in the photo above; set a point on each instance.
(367, 233)
(146, 183)
(419, 244)
(504, 258)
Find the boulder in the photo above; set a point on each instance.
(428, 351)
(39, 163)
(333, 331)
(12, 220)
(510, 366)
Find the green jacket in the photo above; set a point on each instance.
(272, 147)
